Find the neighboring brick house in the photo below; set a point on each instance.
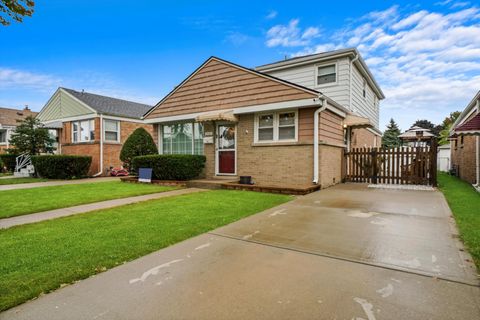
(248, 123)
(9, 119)
(465, 143)
(91, 124)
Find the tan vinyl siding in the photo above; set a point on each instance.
(218, 85)
(330, 130)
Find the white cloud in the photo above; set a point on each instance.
(271, 15)
(427, 62)
(236, 38)
(290, 35)
(14, 78)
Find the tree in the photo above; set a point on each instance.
(446, 125)
(139, 143)
(390, 136)
(15, 10)
(29, 137)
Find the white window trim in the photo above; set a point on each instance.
(160, 136)
(118, 131)
(324, 65)
(276, 126)
(7, 136)
(78, 132)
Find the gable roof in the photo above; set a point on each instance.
(10, 117)
(219, 84)
(110, 106)
(467, 112)
(470, 126)
(322, 56)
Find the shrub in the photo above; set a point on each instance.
(9, 161)
(171, 166)
(61, 166)
(139, 143)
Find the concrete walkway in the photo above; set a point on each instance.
(56, 183)
(63, 212)
(346, 252)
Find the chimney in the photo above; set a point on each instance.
(26, 108)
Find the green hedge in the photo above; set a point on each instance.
(171, 166)
(9, 160)
(61, 166)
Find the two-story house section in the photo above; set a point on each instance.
(343, 76)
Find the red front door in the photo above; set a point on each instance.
(226, 149)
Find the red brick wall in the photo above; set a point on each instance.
(463, 156)
(111, 151)
(364, 138)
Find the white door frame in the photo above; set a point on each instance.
(217, 163)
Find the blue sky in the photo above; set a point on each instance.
(425, 55)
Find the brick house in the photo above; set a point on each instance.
(250, 123)
(465, 143)
(9, 119)
(91, 124)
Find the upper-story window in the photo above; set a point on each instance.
(276, 126)
(111, 130)
(364, 92)
(83, 131)
(326, 74)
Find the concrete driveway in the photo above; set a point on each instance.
(346, 252)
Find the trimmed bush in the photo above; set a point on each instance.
(139, 143)
(61, 166)
(171, 166)
(9, 160)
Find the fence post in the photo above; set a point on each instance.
(374, 165)
(433, 159)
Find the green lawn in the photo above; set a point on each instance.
(40, 257)
(465, 204)
(24, 201)
(20, 180)
(4, 174)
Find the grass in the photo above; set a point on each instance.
(25, 201)
(464, 202)
(20, 180)
(40, 257)
(4, 174)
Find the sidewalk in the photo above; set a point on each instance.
(56, 183)
(63, 212)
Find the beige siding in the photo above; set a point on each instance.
(305, 76)
(62, 105)
(364, 106)
(330, 130)
(218, 85)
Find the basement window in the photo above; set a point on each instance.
(83, 131)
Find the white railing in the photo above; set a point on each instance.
(23, 166)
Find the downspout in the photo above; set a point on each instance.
(101, 147)
(316, 139)
(350, 80)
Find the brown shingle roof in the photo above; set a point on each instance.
(9, 117)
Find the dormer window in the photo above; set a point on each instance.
(326, 74)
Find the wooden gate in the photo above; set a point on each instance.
(401, 165)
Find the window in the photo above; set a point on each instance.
(461, 141)
(364, 92)
(111, 130)
(326, 74)
(3, 136)
(83, 131)
(182, 138)
(276, 126)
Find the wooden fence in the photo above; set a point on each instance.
(402, 165)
